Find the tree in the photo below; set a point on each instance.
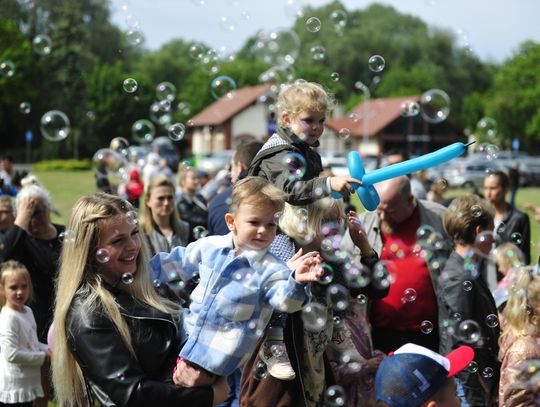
(513, 99)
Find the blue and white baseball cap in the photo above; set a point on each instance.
(412, 374)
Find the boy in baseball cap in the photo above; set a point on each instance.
(415, 376)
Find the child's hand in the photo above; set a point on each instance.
(186, 375)
(373, 363)
(343, 185)
(358, 234)
(48, 355)
(306, 267)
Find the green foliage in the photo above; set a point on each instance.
(62, 165)
(514, 98)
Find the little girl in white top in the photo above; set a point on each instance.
(21, 354)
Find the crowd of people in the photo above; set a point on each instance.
(262, 289)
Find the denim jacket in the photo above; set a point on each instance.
(233, 301)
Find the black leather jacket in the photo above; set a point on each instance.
(115, 376)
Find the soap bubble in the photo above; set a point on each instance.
(184, 108)
(130, 85)
(42, 44)
(199, 232)
(127, 278)
(177, 131)
(334, 76)
(197, 51)
(132, 218)
(227, 23)
(492, 152)
(426, 327)
(110, 164)
(135, 36)
(120, 145)
(376, 63)
(516, 238)
(295, 165)
(467, 285)
(314, 316)
(339, 18)
(472, 367)
(260, 371)
(277, 47)
(487, 127)
(25, 107)
(487, 373)
(327, 275)
(435, 105)
(55, 125)
(222, 86)
(103, 255)
(410, 108)
(7, 68)
(66, 237)
(476, 211)
(166, 91)
(492, 321)
(335, 396)
(313, 24)
(469, 331)
(143, 131)
(409, 295)
(344, 133)
(338, 297)
(381, 276)
(318, 52)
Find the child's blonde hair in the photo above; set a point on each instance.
(520, 313)
(13, 267)
(302, 223)
(508, 256)
(302, 97)
(257, 191)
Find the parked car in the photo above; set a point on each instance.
(138, 154)
(166, 149)
(467, 174)
(212, 163)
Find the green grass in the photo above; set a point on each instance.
(524, 195)
(65, 188)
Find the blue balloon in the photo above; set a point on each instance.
(367, 193)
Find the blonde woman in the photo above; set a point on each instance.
(160, 221)
(115, 339)
(520, 341)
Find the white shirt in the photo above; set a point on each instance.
(21, 356)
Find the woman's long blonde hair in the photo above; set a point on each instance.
(79, 274)
(147, 221)
(521, 311)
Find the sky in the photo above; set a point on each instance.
(493, 29)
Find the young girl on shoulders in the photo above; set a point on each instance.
(21, 354)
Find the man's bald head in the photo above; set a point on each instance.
(397, 202)
(399, 187)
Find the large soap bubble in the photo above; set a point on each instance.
(435, 105)
(143, 131)
(108, 163)
(277, 47)
(55, 125)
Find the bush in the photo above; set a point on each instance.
(62, 165)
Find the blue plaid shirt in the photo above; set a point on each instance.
(233, 302)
